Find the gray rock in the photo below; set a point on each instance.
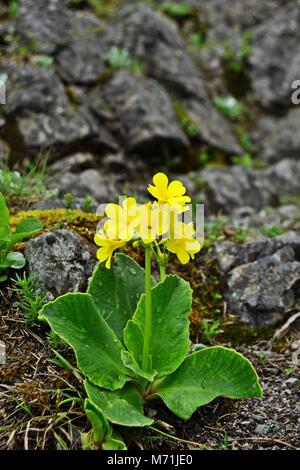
(45, 25)
(222, 22)
(75, 163)
(155, 41)
(101, 187)
(226, 189)
(264, 291)
(261, 277)
(83, 61)
(60, 261)
(269, 221)
(143, 116)
(284, 177)
(230, 255)
(277, 138)
(274, 62)
(39, 116)
(77, 203)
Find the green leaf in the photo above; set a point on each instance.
(29, 226)
(3, 277)
(206, 375)
(5, 235)
(25, 229)
(171, 306)
(4, 213)
(123, 407)
(13, 260)
(100, 425)
(114, 443)
(116, 291)
(134, 340)
(130, 363)
(76, 320)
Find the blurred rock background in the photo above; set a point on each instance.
(108, 91)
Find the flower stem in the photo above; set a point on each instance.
(148, 309)
(162, 271)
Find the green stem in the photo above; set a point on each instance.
(148, 309)
(169, 436)
(162, 271)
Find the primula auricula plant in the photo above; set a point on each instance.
(11, 259)
(130, 334)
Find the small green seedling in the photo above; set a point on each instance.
(10, 259)
(244, 160)
(118, 58)
(30, 301)
(88, 203)
(176, 10)
(69, 200)
(211, 329)
(229, 106)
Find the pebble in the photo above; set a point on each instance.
(291, 381)
(258, 418)
(262, 429)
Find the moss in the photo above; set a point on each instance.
(184, 119)
(103, 8)
(237, 333)
(83, 223)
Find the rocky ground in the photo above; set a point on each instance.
(109, 92)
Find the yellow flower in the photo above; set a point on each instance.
(165, 193)
(145, 229)
(154, 221)
(108, 246)
(183, 242)
(123, 219)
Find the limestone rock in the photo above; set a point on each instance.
(226, 189)
(275, 57)
(263, 292)
(40, 117)
(143, 116)
(155, 41)
(60, 261)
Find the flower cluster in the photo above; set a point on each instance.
(158, 223)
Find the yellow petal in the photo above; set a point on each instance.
(155, 192)
(161, 180)
(102, 254)
(111, 228)
(99, 238)
(176, 188)
(181, 200)
(113, 211)
(129, 202)
(189, 230)
(172, 246)
(183, 256)
(193, 246)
